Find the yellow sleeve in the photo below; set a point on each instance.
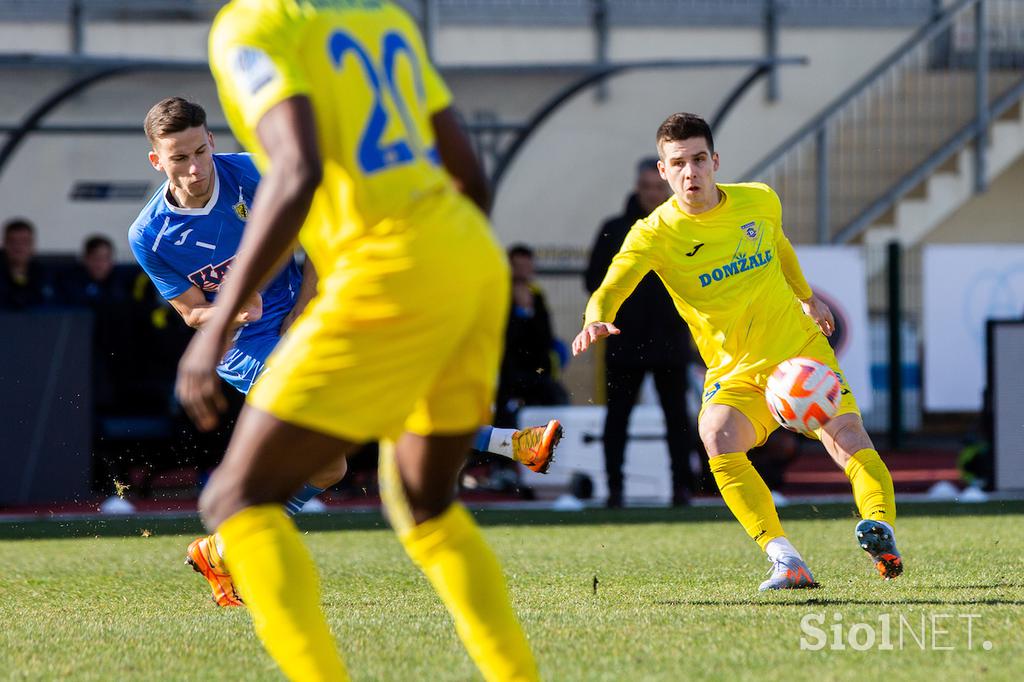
(791, 267)
(253, 59)
(633, 261)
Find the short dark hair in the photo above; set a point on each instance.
(649, 163)
(95, 242)
(18, 225)
(683, 126)
(172, 115)
(520, 250)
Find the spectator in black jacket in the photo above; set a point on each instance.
(657, 342)
(24, 282)
(97, 283)
(527, 369)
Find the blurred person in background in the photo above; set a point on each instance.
(95, 280)
(529, 366)
(658, 342)
(24, 282)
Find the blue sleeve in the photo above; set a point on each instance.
(168, 282)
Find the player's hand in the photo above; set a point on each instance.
(198, 388)
(591, 333)
(252, 310)
(818, 311)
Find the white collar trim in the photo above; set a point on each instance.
(205, 210)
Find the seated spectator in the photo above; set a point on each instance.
(95, 281)
(528, 369)
(24, 282)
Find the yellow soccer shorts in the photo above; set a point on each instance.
(745, 392)
(405, 334)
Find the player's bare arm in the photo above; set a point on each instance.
(459, 159)
(306, 294)
(288, 134)
(196, 311)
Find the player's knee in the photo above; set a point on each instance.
(331, 474)
(848, 433)
(715, 438)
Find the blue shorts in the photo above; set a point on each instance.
(242, 366)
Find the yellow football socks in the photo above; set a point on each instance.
(278, 581)
(872, 486)
(747, 496)
(452, 553)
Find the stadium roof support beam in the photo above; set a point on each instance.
(594, 75)
(98, 69)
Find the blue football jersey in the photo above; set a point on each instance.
(185, 247)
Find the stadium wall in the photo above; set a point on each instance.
(575, 171)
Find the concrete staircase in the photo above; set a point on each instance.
(885, 136)
(923, 209)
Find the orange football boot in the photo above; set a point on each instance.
(534, 447)
(203, 557)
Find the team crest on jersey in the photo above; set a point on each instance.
(210, 277)
(750, 230)
(241, 209)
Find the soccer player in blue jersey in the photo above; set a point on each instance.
(186, 239)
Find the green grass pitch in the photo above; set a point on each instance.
(675, 599)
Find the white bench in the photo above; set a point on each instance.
(647, 470)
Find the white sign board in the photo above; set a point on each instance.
(836, 273)
(964, 285)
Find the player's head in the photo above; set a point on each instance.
(19, 241)
(688, 161)
(98, 257)
(651, 190)
(520, 257)
(182, 148)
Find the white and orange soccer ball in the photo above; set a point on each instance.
(803, 394)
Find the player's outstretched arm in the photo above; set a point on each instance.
(590, 334)
(288, 134)
(459, 160)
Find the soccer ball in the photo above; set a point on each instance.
(802, 394)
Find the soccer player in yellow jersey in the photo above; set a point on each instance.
(364, 162)
(723, 256)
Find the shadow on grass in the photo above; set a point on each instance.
(363, 520)
(839, 601)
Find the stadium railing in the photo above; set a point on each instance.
(534, 12)
(882, 137)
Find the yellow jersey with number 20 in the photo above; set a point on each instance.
(363, 66)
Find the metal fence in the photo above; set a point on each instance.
(882, 138)
(688, 12)
(535, 12)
